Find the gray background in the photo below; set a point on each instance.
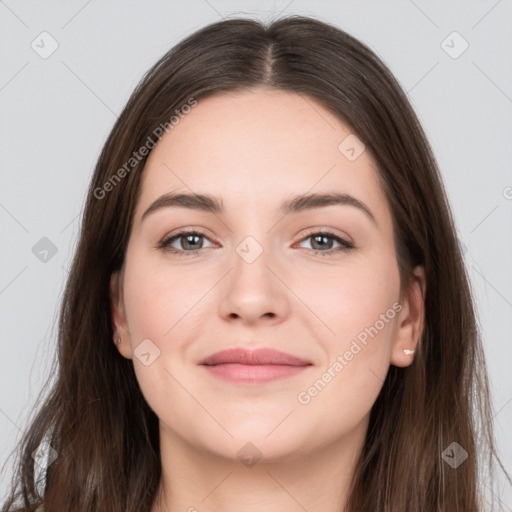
(57, 111)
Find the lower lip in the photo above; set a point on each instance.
(253, 373)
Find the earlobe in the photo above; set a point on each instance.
(119, 324)
(411, 320)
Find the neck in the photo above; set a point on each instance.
(194, 480)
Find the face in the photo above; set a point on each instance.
(318, 280)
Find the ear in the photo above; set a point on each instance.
(411, 320)
(119, 324)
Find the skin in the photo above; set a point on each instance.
(255, 149)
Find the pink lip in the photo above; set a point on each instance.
(261, 365)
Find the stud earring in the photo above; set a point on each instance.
(118, 341)
(408, 352)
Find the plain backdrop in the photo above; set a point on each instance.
(68, 68)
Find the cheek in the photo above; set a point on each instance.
(157, 298)
(356, 297)
(361, 308)
(160, 308)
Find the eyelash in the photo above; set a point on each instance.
(345, 246)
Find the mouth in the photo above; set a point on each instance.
(253, 366)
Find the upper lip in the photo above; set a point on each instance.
(261, 356)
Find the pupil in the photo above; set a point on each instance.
(321, 237)
(189, 238)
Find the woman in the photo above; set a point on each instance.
(268, 308)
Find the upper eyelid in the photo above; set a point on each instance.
(187, 231)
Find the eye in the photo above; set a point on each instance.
(323, 241)
(190, 242)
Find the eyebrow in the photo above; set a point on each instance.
(296, 204)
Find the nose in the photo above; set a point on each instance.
(254, 291)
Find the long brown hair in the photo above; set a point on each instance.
(95, 417)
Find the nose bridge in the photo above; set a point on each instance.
(253, 255)
(252, 290)
(253, 238)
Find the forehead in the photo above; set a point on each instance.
(259, 147)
